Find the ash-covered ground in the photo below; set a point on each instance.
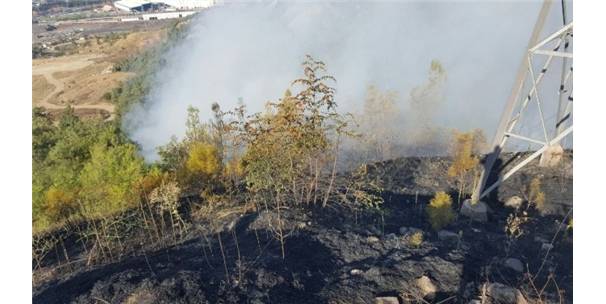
(344, 254)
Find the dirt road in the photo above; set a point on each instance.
(48, 69)
(84, 78)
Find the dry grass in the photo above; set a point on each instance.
(141, 297)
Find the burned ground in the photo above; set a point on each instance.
(336, 254)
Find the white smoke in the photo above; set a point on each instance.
(252, 51)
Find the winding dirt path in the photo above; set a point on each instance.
(47, 69)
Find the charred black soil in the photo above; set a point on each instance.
(339, 253)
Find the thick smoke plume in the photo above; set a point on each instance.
(252, 51)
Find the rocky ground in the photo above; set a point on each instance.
(340, 254)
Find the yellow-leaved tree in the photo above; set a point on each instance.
(204, 159)
(197, 160)
(536, 196)
(292, 147)
(60, 204)
(440, 211)
(464, 151)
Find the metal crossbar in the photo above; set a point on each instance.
(563, 126)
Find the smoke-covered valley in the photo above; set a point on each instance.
(252, 51)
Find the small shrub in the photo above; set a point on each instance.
(60, 205)
(515, 224)
(365, 192)
(569, 226)
(150, 181)
(368, 199)
(536, 196)
(167, 195)
(440, 211)
(234, 169)
(196, 161)
(464, 159)
(415, 239)
(465, 148)
(204, 158)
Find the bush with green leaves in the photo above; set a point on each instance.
(91, 162)
(197, 160)
(108, 179)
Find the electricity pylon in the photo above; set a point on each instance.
(553, 46)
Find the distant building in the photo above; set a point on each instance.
(157, 16)
(107, 8)
(144, 5)
(133, 5)
(188, 4)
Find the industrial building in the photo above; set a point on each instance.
(157, 16)
(188, 4)
(133, 5)
(144, 5)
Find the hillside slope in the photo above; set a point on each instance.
(341, 253)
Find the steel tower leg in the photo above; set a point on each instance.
(499, 138)
(563, 125)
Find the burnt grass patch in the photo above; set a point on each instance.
(337, 254)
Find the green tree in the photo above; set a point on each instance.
(109, 179)
(43, 134)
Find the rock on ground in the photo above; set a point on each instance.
(426, 286)
(503, 294)
(387, 300)
(514, 264)
(552, 156)
(448, 236)
(514, 202)
(476, 211)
